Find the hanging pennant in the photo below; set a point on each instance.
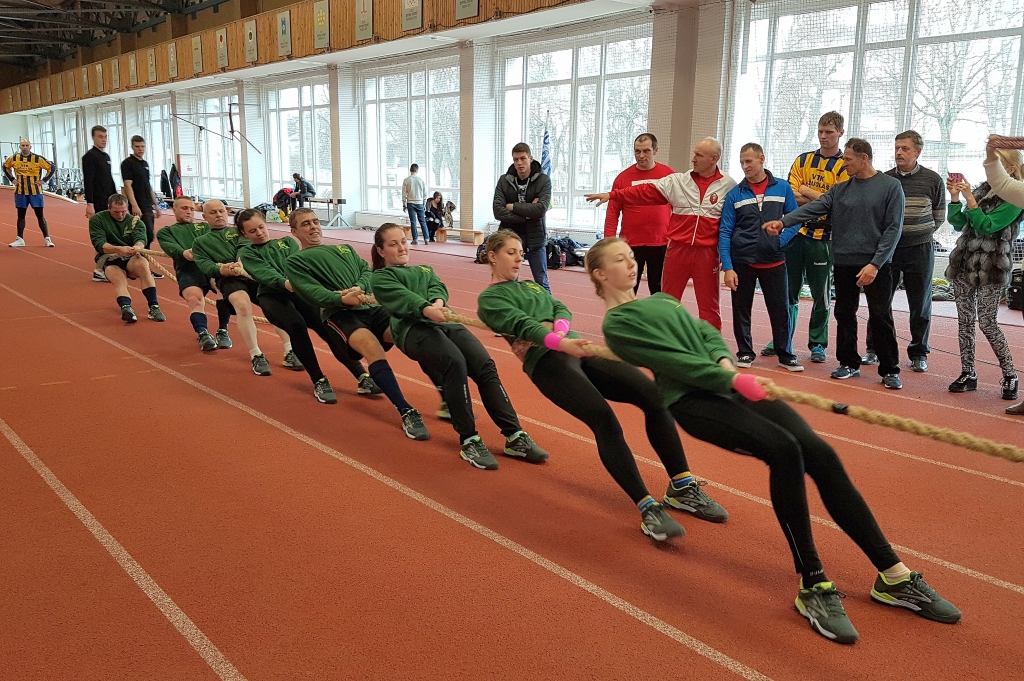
(85, 80)
(133, 70)
(172, 59)
(222, 48)
(364, 19)
(197, 54)
(115, 74)
(284, 34)
(99, 78)
(250, 41)
(151, 64)
(321, 24)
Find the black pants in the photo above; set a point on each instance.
(883, 332)
(288, 312)
(147, 219)
(915, 263)
(454, 354)
(582, 387)
(299, 198)
(775, 287)
(654, 258)
(772, 432)
(39, 217)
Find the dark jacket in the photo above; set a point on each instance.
(304, 186)
(435, 217)
(740, 237)
(526, 217)
(97, 177)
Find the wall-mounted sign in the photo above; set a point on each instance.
(115, 74)
(172, 59)
(48, 90)
(60, 88)
(284, 34)
(36, 98)
(197, 54)
(467, 9)
(250, 41)
(151, 64)
(364, 19)
(99, 78)
(71, 89)
(222, 48)
(321, 24)
(85, 80)
(133, 70)
(412, 15)
(188, 165)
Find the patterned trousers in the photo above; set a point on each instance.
(980, 304)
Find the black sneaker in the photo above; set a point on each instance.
(128, 314)
(844, 372)
(965, 382)
(412, 424)
(657, 524)
(744, 361)
(818, 354)
(768, 351)
(223, 339)
(915, 595)
(919, 364)
(522, 446)
(157, 275)
(156, 314)
(291, 361)
(869, 358)
(821, 605)
(693, 499)
(892, 382)
(791, 364)
(260, 365)
(207, 343)
(324, 393)
(367, 386)
(1010, 384)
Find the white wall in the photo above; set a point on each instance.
(13, 127)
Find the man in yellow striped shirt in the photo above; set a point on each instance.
(25, 169)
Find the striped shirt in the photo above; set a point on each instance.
(820, 173)
(27, 168)
(925, 204)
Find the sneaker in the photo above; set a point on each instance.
(821, 605)
(415, 243)
(892, 382)
(919, 364)
(291, 361)
(128, 314)
(845, 372)
(768, 351)
(223, 339)
(324, 393)
(744, 361)
(476, 453)
(657, 524)
(260, 365)
(791, 364)
(49, 243)
(207, 343)
(97, 275)
(1016, 410)
(443, 413)
(17, 243)
(156, 314)
(965, 382)
(367, 386)
(818, 354)
(412, 424)
(869, 358)
(693, 499)
(157, 275)
(522, 446)
(1010, 384)
(915, 595)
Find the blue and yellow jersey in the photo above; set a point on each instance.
(27, 169)
(820, 173)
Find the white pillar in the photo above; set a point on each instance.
(251, 123)
(477, 135)
(347, 166)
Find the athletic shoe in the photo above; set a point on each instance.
(965, 382)
(367, 386)
(97, 275)
(260, 365)
(412, 424)
(791, 364)
(892, 382)
(415, 243)
(870, 357)
(157, 275)
(768, 351)
(915, 595)
(818, 354)
(693, 499)
(156, 314)
(821, 605)
(1010, 384)
(207, 343)
(657, 524)
(17, 243)
(442, 412)
(291, 361)
(324, 393)
(1016, 410)
(845, 372)
(223, 339)
(919, 364)
(49, 243)
(476, 453)
(522, 446)
(128, 314)
(744, 361)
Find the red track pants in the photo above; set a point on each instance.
(700, 263)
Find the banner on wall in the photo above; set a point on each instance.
(172, 59)
(151, 64)
(99, 77)
(250, 41)
(321, 25)
(133, 70)
(222, 48)
(284, 34)
(85, 80)
(115, 74)
(47, 88)
(60, 88)
(364, 19)
(197, 54)
(71, 88)
(467, 9)
(412, 15)
(36, 94)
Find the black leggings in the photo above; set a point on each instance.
(454, 354)
(39, 217)
(582, 387)
(772, 432)
(288, 312)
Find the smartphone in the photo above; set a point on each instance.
(956, 177)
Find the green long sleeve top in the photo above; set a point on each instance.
(404, 291)
(265, 262)
(981, 222)
(103, 229)
(659, 334)
(217, 247)
(175, 239)
(516, 309)
(318, 273)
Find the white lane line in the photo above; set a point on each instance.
(611, 599)
(185, 626)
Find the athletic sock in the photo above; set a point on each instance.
(287, 347)
(255, 352)
(150, 294)
(682, 480)
(198, 320)
(897, 573)
(813, 577)
(123, 300)
(223, 314)
(384, 377)
(466, 440)
(646, 503)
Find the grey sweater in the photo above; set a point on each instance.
(866, 217)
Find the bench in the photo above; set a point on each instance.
(335, 220)
(467, 235)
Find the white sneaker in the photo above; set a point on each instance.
(49, 243)
(98, 275)
(17, 243)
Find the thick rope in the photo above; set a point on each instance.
(1008, 143)
(151, 257)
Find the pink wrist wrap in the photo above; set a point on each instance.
(552, 340)
(747, 385)
(561, 326)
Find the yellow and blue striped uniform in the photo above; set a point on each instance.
(820, 173)
(27, 169)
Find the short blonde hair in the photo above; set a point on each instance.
(594, 260)
(1012, 160)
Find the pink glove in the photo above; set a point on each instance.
(747, 385)
(552, 340)
(561, 326)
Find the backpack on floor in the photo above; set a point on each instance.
(556, 257)
(1015, 293)
(569, 247)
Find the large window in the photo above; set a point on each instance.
(300, 136)
(590, 94)
(220, 156)
(411, 115)
(111, 120)
(42, 138)
(156, 128)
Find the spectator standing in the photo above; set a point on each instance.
(98, 180)
(29, 173)
(750, 254)
(302, 190)
(414, 195)
(866, 216)
(521, 200)
(644, 228)
(139, 189)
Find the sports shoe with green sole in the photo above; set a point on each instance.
(915, 595)
(291, 361)
(367, 386)
(207, 343)
(324, 393)
(821, 605)
(412, 424)
(260, 365)
(657, 524)
(223, 340)
(693, 499)
(476, 453)
(128, 314)
(156, 314)
(522, 446)
(443, 413)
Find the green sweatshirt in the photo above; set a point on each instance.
(215, 248)
(981, 222)
(516, 309)
(659, 334)
(265, 262)
(318, 273)
(404, 292)
(177, 238)
(103, 229)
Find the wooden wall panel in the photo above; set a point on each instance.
(184, 49)
(209, 51)
(46, 92)
(6, 101)
(343, 24)
(26, 95)
(236, 45)
(302, 29)
(36, 94)
(266, 38)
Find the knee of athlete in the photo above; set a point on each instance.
(242, 305)
(782, 452)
